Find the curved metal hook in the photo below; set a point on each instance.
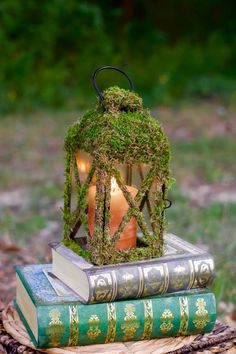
(169, 203)
(95, 85)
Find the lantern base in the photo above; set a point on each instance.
(128, 249)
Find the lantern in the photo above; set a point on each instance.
(117, 175)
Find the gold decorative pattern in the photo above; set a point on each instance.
(148, 316)
(204, 269)
(191, 274)
(154, 280)
(111, 329)
(55, 328)
(127, 284)
(94, 324)
(114, 287)
(130, 325)
(178, 277)
(101, 285)
(141, 282)
(74, 326)
(166, 278)
(167, 317)
(201, 317)
(184, 316)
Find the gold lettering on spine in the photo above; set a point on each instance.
(141, 282)
(111, 329)
(130, 324)
(55, 328)
(148, 317)
(74, 326)
(201, 317)
(114, 286)
(191, 274)
(167, 318)
(94, 327)
(166, 278)
(184, 316)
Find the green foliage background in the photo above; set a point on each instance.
(173, 49)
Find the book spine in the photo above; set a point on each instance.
(151, 279)
(78, 324)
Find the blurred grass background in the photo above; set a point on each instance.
(174, 49)
(182, 58)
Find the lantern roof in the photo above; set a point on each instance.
(119, 129)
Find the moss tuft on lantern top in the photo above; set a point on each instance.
(116, 99)
(120, 129)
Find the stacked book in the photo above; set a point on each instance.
(72, 302)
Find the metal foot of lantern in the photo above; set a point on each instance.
(117, 176)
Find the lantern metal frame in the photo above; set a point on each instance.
(119, 114)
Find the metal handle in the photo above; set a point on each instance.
(95, 85)
(168, 203)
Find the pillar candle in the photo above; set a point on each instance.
(118, 208)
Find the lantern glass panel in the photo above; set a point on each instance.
(83, 162)
(133, 175)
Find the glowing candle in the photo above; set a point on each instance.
(118, 208)
(83, 162)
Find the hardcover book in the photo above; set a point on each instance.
(182, 267)
(54, 316)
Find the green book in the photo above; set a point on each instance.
(54, 316)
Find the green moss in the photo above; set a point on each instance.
(76, 248)
(127, 136)
(118, 131)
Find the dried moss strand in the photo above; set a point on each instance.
(107, 214)
(155, 238)
(157, 222)
(100, 203)
(108, 244)
(83, 190)
(82, 205)
(84, 220)
(126, 218)
(146, 198)
(96, 241)
(68, 186)
(76, 173)
(75, 228)
(67, 195)
(159, 213)
(146, 185)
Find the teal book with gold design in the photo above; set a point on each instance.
(183, 266)
(54, 316)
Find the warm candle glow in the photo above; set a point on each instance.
(114, 185)
(118, 208)
(82, 166)
(83, 163)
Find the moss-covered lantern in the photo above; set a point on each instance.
(117, 175)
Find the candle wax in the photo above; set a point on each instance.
(118, 208)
